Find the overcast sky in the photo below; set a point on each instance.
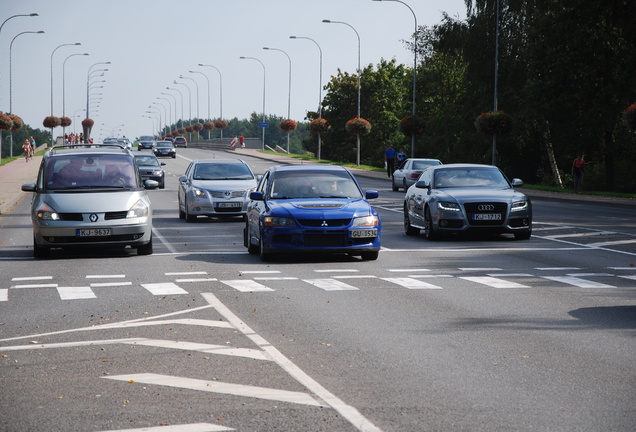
(150, 43)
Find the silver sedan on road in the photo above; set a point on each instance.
(215, 187)
(409, 171)
(457, 198)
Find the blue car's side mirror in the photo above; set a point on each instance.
(256, 196)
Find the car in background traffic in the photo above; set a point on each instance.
(180, 141)
(164, 149)
(409, 171)
(311, 209)
(125, 142)
(90, 196)
(151, 169)
(145, 142)
(459, 198)
(215, 188)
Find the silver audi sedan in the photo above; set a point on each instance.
(458, 198)
(215, 188)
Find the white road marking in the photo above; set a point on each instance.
(35, 286)
(557, 268)
(354, 277)
(186, 273)
(194, 427)
(203, 348)
(411, 283)
(105, 276)
(479, 269)
(586, 234)
(260, 272)
(165, 242)
(611, 243)
(577, 282)
(493, 282)
(631, 277)
(196, 280)
(75, 293)
(330, 285)
(32, 278)
(337, 271)
(246, 285)
(409, 270)
(110, 284)
(166, 288)
(275, 278)
(360, 422)
(219, 387)
(4, 294)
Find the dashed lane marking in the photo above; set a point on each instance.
(331, 285)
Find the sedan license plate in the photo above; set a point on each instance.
(486, 216)
(363, 233)
(228, 204)
(95, 232)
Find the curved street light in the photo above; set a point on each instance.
(175, 106)
(263, 121)
(197, 87)
(180, 94)
(88, 78)
(64, 82)
(208, 80)
(220, 91)
(359, 73)
(319, 85)
(189, 100)
(169, 109)
(289, 88)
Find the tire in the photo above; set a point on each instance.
(251, 249)
(40, 252)
(429, 231)
(162, 185)
(408, 228)
(188, 217)
(369, 256)
(393, 185)
(404, 185)
(145, 249)
(265, 256)
(174, 156)
(523, 235)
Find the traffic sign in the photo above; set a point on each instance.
(263, 124)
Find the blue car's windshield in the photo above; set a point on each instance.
(313, 184)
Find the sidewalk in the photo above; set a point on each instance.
(12, 176)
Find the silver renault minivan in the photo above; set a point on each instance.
(90, 196)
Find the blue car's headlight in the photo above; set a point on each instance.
(450, 206)
(519, 205)
(273, 221)
(366, 221)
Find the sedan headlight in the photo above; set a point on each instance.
(47, 213)
(450, 206)
(273, 221)
(366, 221)
(157, 173)
(198, 193)
(140, 209)
(519, 205)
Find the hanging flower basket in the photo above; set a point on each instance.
(88, 123)
(318, 126)
(208, 125)
(181, 131)
(189, 129)
(358, 126)
(630, 116)
(65, 121)
(412, 125)
(197, 127)
(17, 122)
(175, 133)
(51, 122)
(493, 123)
(288, 125)
(6, 123)
(220, 124)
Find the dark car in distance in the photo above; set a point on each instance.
(151, 169)
(145, 142)
(164, 149)
(180, 141)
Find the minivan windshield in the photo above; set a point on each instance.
(85, 172)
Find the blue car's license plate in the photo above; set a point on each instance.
(363, 233)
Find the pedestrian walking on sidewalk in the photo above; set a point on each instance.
(578, 171)
(389, 160)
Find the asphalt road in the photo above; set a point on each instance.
(478, 333)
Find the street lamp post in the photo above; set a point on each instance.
(165, 115)
(189, 100)
(175, 106)
(289, 89)
(414, 68)
(11, 87)
(88, 77)
(319, 85)
(263, 121)
(359, 73)
(220, 92)
(64, 88)
(56, 48)
(180, 94)
(197, 87)
(169, 110)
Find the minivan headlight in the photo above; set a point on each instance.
(46, 212)
(140, 209)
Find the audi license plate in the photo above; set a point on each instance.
(486, 216)
(228, 204)
(95, 232)
(363, 233)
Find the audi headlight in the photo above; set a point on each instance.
(140, 209)
(366, 221)
(47, 213)
(273, 221)
(450, 206)
(198, 193)
(519, 205)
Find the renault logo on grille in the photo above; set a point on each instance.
(227, 193)
(93, 217)
(485, 207)
(324, 223)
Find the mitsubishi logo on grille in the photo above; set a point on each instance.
(485, 207)
(227, 193)
(93, 217)
(324, 223)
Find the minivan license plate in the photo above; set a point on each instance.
(95, 232)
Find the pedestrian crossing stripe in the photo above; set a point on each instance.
(75, 293)
(411, 283)
(246, 285)
(578, 282)
(166, 288)
(493, 282)
(331, 285)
